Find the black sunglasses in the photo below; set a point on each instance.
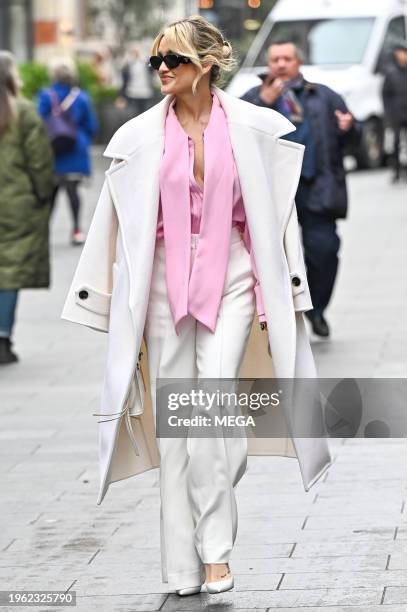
(171, 60)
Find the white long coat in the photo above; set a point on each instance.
(110, 288)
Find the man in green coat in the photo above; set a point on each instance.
(26, 171)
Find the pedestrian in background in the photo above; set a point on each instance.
(137, 82)
(98, 68)
(102, 65)
(72, 163)
(324, 125)
(25, 190)
(395, 99)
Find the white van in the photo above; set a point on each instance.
(346, 44)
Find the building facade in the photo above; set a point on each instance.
(16, 32)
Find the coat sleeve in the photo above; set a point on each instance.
(253, 96)
(88, 120)
(296, 265)
(89, 296)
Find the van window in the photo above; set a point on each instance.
(395, 33)
(323, 41)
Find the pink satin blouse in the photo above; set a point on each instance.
(238, 219)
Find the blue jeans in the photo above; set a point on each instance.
(8, 303)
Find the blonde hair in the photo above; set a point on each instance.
(195, 37)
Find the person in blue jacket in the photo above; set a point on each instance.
(73, 165)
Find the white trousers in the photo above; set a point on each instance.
(197, 475)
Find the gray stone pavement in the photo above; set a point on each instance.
(340, 547)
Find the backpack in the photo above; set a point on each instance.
(62, 130)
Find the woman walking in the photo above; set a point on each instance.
(198, 330)
(72, 162)
(25, 190)
(169, 259)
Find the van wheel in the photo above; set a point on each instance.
(370, 153)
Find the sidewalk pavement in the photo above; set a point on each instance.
(340, 547)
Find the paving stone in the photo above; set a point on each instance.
(395, 595)
(342, 579)
(378, 548)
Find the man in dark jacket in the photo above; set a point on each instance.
(324, 125)
(395, 99)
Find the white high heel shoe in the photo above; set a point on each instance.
(220, 586)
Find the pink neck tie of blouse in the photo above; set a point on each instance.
(200, 292)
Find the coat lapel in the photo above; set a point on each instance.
(134, 187)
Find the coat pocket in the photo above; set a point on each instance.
(93, 299)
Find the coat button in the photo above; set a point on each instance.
(296, 281)
(83, 294)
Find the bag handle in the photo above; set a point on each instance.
(58, 107)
